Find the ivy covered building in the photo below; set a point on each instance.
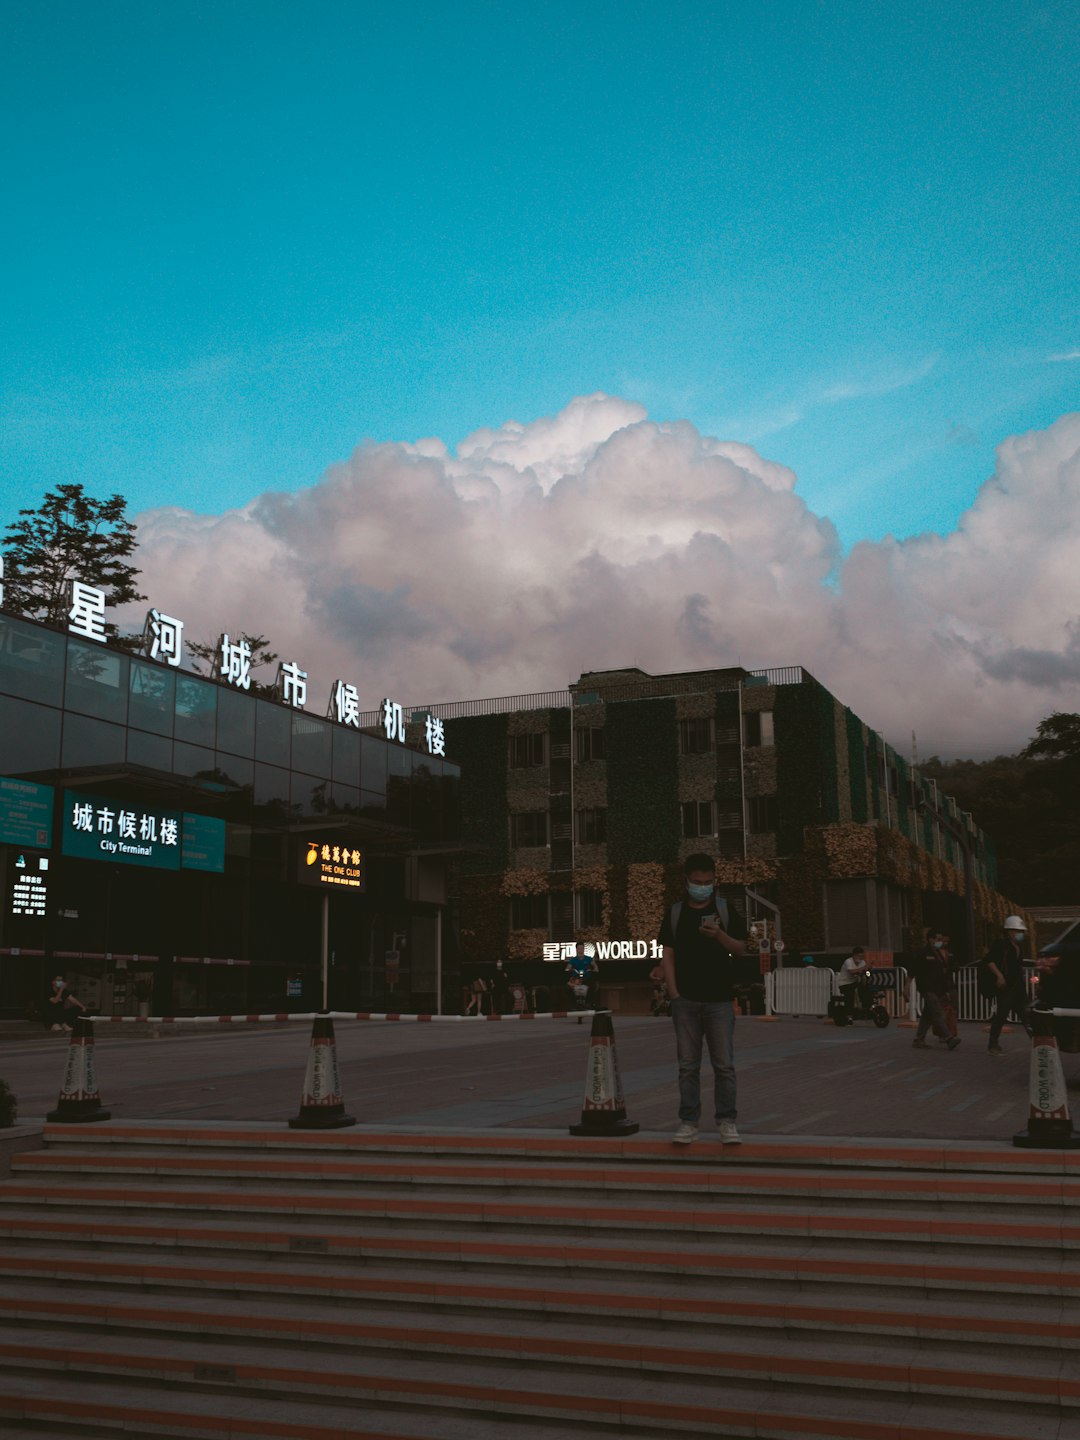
(578, 808)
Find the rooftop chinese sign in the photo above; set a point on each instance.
(163, 640)
(335, 863)
(99, 829)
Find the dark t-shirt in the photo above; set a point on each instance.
(704, 970)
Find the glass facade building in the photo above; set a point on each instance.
(243, 785)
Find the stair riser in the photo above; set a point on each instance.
(504, 1388)
(393, 1313)
(1051, 1199)
(784, 1232)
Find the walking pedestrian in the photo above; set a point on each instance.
(1003, 968)
(932, 979)
(701, 941)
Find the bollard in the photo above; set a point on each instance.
(1049, 1125)
(79, 1100)
(603, 1111)
(322, 1106)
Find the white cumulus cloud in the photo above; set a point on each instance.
(597, 537)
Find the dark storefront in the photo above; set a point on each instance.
(154, 833)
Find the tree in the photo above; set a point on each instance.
(1056, 738)
(70, 536)
(205, 656)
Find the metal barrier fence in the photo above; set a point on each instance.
(808, 991)
(310, 1015)
(970, 1005)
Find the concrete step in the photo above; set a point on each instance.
(658, 1331)
(789, 1152)
(46, 1243)
(65, 1408)
(553, 1180)
(514, 1382)
(859, 1226)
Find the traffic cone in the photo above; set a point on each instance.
(79, 1099)
(321, 1105)
(603, 1111)
(1049, 1125)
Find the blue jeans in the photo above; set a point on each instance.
(711, 1021)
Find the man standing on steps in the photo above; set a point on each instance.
(702, 941)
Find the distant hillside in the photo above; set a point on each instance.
(1029, 804)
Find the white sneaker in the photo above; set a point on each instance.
(729, 1135)
(685, 1134)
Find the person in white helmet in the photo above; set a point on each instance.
(1004, 964)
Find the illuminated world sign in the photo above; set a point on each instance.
(334, 863)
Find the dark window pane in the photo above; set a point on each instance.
(399, 760)
(236, 723)
(310, 796)
(193, 760)
(310, 745)
(271, 787)
(345, 799)
(152, 751)
(373, 805)
(97, 681)
(232, 770)
(346, 754)
(271, 733)
(31, 661)
(151, 698)
(451, 804)
(196, 709)
(373, 764)
(398, 799)
(29, 737)
(91, 742)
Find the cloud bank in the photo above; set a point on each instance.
(597, 538)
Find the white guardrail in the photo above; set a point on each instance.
(309, 1015)
(970, 1005)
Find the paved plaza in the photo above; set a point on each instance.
(796, 1077)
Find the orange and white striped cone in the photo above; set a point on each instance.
(322, 1106)
(79, 1099)
(1049, 1124)
(603, 1111)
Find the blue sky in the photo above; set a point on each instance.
(243, 238)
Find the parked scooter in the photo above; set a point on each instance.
(865, 1004)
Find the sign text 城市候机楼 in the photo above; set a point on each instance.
(130, 834)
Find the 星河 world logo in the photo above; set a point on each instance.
(605, 950)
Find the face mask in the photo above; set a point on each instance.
(937, 944)
(699, 892)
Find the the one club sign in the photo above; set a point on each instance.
(332, 862)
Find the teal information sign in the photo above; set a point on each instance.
(98, 829)
(203, 846)
(26, 813)
(136, 834)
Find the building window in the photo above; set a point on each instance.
(591, 827)
(589, 743)
(590, 909)
(764, 814)
(530, 828)
(529, 912)
(696, 735)
(528, 751)
(698, 818)
(757, 728)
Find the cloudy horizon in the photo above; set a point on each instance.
(597, 538)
